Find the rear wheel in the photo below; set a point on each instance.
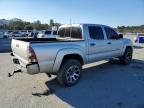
(127, 57)
(69, 73)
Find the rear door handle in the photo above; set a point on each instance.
(109, 43)
(92, 44)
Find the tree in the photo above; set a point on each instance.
(131, 29)
(16, 25)
(51, 22)
(28, 27)
(36, 25)
(16, 19)
(57, 24)
(45, 26)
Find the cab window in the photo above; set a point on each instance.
(111, 34)
(96, 32)
(70, 32)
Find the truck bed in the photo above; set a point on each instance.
(47, 40)
(21, 46)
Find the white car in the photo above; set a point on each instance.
(24, 32)
(47, 34)
(7, 34)
(17, 34)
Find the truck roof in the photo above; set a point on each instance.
(79, 24)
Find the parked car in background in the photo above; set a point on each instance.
(77, 45)
(28, 32)
(33, 34)
(139, 38)
(1, 35)
(47, 34)
(17, 34)
(7, 34)
(23, 32)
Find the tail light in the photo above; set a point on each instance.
(32, 57)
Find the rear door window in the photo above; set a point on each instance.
(96, 32)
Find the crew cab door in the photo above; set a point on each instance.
(115, 44)
(97, 44)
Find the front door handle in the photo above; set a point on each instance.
(109, 43)
(92, 44)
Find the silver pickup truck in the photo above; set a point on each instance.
(77, 44)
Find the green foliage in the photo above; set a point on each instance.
(36, 25)
(57, 24)
(51, 23)
(18, 24)
(131, 29)
(28, 27)
(45, 27)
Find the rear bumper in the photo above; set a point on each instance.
(28, 68)
(32, 69)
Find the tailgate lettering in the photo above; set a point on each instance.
(17, 45)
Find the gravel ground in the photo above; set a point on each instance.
(103, 85)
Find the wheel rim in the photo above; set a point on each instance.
(72, 74)
(128, 57)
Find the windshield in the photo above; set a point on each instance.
(44, 32)
(47, 32)
(140, 34)
(8, 32)
(15, 32)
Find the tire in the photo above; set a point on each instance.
(127, 57)
(69, 73)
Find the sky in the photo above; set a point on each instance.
(108, 12)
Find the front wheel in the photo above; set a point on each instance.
(127, 57)
(69, 73)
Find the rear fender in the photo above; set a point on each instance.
(62, 53)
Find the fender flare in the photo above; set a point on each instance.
(63, 52)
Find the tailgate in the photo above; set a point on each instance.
(20, 49)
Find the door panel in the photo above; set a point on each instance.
(116, 45)
(98, 48)
(97, 51)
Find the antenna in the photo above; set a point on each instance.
(70, 20)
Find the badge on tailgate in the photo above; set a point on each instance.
(17, 45)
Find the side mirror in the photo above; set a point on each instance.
(120, 36)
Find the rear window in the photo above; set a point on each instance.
(15, 32)
(71, 32)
